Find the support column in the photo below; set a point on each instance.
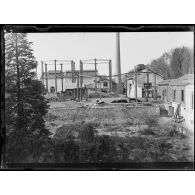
(155, 90)
(86, 93)
(118, 64)
(100, 86)
(81, 78)
(95, 75)
(46, 79)
(110, 75)
(42, 76)
(78, 96)
(75, 94)
(147, 89)
(135, 86)
(126, 85)
(55, 76)
(62, 77)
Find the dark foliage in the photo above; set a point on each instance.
(25, 106)
(174, 64)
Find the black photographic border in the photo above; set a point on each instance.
(58, 28)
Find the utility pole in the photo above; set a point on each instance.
(55, 76)
(62, 77)
(95, 75)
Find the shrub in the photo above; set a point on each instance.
(105, 149)
(67, 131)
(66, 151)
(151, 121)
(87, 133)
(51, 117)
(148, 131)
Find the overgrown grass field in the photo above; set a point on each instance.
(116, 135)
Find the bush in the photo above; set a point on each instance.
(66, 151)
(148, 131)
(51, 117)
(87, 133)
(67, 131)
(105, 150)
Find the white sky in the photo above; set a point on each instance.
(136, 47)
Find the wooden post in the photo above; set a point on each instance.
(95, 75)
(55, 76)
(62, 77)
(110, 75)
(46, 79)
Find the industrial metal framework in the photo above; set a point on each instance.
(96, 62)
(61, 63)
(78, 77)
(148, 71)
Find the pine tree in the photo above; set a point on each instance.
(25, 105)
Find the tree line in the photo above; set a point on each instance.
(175, 63)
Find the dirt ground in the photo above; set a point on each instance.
(121, 122)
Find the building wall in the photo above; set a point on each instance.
(187, 106)
(166, 95)
(142, 77)
(178, 95)
(189, 111)
(67, 83)
(131, 90)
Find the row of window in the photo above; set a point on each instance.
(182, 96)
(164, 93)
